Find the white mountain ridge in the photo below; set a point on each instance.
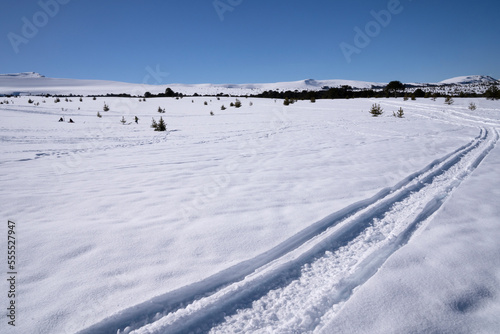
(32, 83)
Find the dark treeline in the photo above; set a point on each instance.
(393, 89)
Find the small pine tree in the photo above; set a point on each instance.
(205, 103)
(472, 106)
(94, 98)
(231, 104)
(251, 103)
(123, 121)
(57, 100)
(376, 110)
(400, 113)
(237, 104)
(286, 102)
(30, 101)
(449, 101)
(161, 111)
(99, 114)
(413, 97)
(106, 107)
(212, 113)
(162, 126)
(313, 99)
(222, 108)
(154, 125)
(405, 98)
(81, 100)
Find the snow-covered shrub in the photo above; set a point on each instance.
(161, 126)
(400, 113)
(376, 110)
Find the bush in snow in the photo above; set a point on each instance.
(376, 110)
(492, 93)
(99, 114)
(30, 101)
(222, 108)
(106, 107)
(154, 124)
(237, 104)
(160, 125)
(472, 106)
(161, 111)
(400, 113)
(123, 121)
(449, 101)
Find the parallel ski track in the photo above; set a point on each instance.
(394, 214)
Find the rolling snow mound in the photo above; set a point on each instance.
(470, 79)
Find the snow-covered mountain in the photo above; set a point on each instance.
(22, 75)
(34, 83)
(470, 79)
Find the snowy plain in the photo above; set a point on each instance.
(316, 217)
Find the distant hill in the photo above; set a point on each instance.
(470, 79)
(34, 83)
(22, 75)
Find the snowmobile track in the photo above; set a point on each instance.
(393, 215)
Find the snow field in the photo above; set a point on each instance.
(129, 224)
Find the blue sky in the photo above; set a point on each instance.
(243, 41)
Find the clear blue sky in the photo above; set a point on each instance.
(257, 40)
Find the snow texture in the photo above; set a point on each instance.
(311, 218)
